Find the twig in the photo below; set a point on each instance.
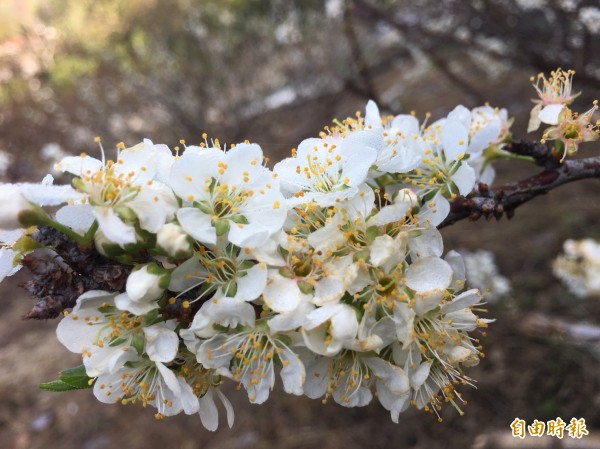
(369, 10)
(503, 200)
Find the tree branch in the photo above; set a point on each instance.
(503, 200)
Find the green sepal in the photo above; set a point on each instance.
(156, 270)
(230, 289)
(284, 252)
(127, 214)
(107, 309)
(246, 265)
(240, 219)
(112, 250)
(285, 339)
(203, 207)
(221, 226)
(116, 342)
(361, 255)
(220, 328)
(286, 272)
(78, 184)
(305, 287)
(152, 317)
(371, 234)
(138, 343)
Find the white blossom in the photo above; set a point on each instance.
(326, 170)
(579, 267)
(227, 193)
(118, 189)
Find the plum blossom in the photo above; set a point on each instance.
(326, 170)
(554, 93)
(573, 129)
(227, 193)
(579, 267)
(123, 191)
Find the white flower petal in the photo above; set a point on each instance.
(396, 404)
(356, 162)
(189, 274)
(407, 124)
(464, 179)
(153, 207)
(124, 302)
(389, 214)
(428, 243)
(549, 113)
(462, 301)
(162, 343)
(247, 236)
(282, 294)
(392, 376)
(209, 415)
(382, 248)
(293, 373)
(229, 312)
(461, 115)
(228, 408)
(420, 375)
(78, 217)
(197, 224)
(455, 139)
(79, 165)
(459, 271)
(429, 274)
(327, 290)
(372, 116)
(6, 263)
(251, 285)
(113, 227)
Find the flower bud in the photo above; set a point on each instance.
(172, 239)
(407, 196)
(146, 284)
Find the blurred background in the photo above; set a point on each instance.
(275, 72)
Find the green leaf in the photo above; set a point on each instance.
(69, 379)
(58, 386)
(76, 377)
(26, 244)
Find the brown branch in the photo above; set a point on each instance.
(503, 200)
(543, 154)
(366, 10)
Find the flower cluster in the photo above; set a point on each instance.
(579, 267)
(569, 129)
(327, 271)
